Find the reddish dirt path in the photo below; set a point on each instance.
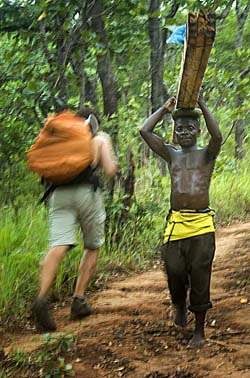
(131, 333)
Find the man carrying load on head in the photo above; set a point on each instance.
(189, 239)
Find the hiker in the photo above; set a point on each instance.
(189, 238)
(78, 203)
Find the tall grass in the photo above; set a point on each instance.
(22, 242)
(230, 193)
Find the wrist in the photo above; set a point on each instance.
(164, 110)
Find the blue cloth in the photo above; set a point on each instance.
(178, 35)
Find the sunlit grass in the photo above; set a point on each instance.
(230, 194)
(22, 242)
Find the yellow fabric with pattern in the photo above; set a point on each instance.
(186, 223)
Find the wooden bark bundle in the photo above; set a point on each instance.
(198, 44)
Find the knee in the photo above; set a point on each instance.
(90, 256)
(57, 252)
(91, 249)
(91, 253)
(172, 262)
(174, 268)
(89, 260)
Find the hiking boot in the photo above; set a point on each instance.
(80, 308)
(42, 318)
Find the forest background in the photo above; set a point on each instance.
(111, 55)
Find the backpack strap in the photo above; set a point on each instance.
(88, 175)
(49, 188)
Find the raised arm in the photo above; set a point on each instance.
(156, 143)
(212, 127)
(104, 154)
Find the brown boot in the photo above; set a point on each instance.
(42, 318)
(80, 308)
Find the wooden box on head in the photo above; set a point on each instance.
(199, 40)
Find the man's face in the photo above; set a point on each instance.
(187, 130)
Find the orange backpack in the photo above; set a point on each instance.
(63, 148)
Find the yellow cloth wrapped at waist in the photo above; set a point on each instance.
(186, 223)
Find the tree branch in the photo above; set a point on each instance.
(229, 133)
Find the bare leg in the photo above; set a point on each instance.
(40, 309)
(198, 338)
(86, 271)
(50, 266)
(80, 307)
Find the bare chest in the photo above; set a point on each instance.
(191, 172)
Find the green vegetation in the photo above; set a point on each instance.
(101, 53)
(49, 359)
(230, 194)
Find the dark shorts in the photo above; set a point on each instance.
(188, 264)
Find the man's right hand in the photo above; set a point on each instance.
(170, 104)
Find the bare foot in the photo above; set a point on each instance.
(197, 340)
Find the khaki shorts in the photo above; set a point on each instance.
(74, 205)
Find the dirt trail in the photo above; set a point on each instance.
(131, 334)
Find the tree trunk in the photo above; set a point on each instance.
(128, 187)
(104, 65)
(157, 38)
(78, 65)
(58, 61)
(60, 83)
(91, 91)
(156, 61)
(240, 132)
(87, 87)
(240, 127)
